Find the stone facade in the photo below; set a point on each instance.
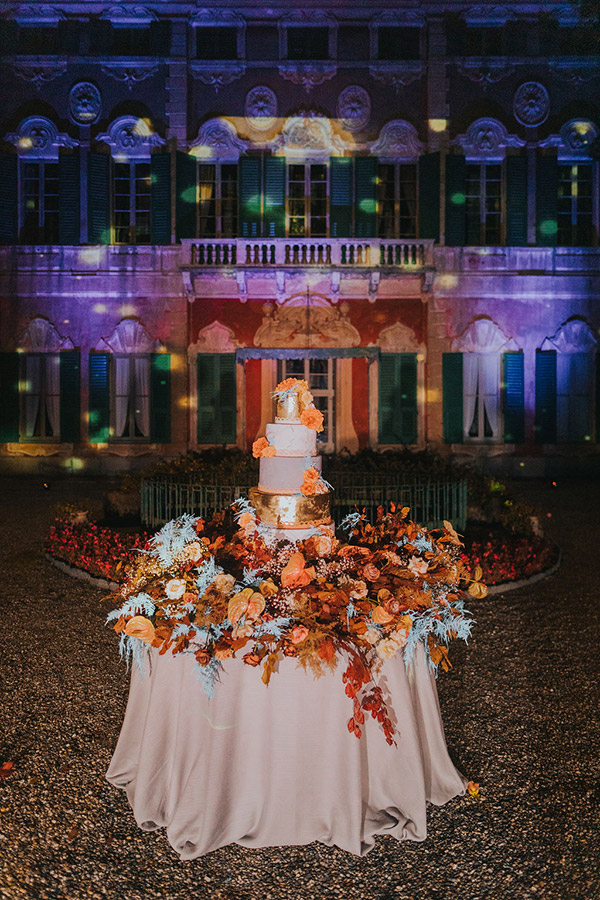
(400, 202)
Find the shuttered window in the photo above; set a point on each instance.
(70, 396)
(366, 196)
(132, 201)
(574, 396)
(250, 196)
(217, 200)
(68, 198)
(396, 200)
(516, 201)
(39, 202)
(546, 200)
(186, 195)
(341, 196)
(160, 218)
(483, 204)
(513, 398)
(9, 391)
(99, 198)
(275, 170)
(397, 412)
(99, 398)
(217, 414)
(8, 198)
(545, 396)
(429, 196)
(577, 200)
(455, 201)
(308, 200)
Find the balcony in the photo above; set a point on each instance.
(264, 253)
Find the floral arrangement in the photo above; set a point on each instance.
(102, 552)
(321, 601)
(505, 556)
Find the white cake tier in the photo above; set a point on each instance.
(292, 440)
(272, 534)
(284, 474)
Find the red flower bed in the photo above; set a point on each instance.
(505, 556)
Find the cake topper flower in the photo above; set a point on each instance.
(312, 418)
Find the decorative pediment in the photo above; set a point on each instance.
(487, 140)
(215, 338)
(39, 138)
(30, 14)
(488, 15)
(309, 17)
(575, 139)
(129, 336)
(397, 139)
(41, 336)
(216, 75)
(218, 139)
(398, 338)
(308, 75)
(403, 17)
(483, 335)
(573, 336)
(129, 16)
(305, 321)
(215, 17)
(131, 138)
(309, 134)
(397, 74)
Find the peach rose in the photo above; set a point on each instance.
(224, 583)
(308, 488)
(175, 588)
(202, 657)
(269, 451)
(399, 637)
(294, 574)
(260, 448)
(380, 616)
(371, 635)
(306, 398)
(189, 597)
(246, 519)
(312, 418)
(417, 566)
(371, 572)
(299, 634)
(247, 603)
(393, 605)
(359, 590)
(311, 474)
(193, 551)
(323, 544)
(386, 648)
(141, 628)
(286, 385)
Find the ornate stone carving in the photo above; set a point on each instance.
(39, 75)
(85, 103)
(131, 138)
(411, 17)
(397, 139)
(487, 139)
(215, 338)
(307, 74)
(129, 336)
(38, 15)
(487, 15)
(309, 134)
(260, 107)
(580, 74)
(573, 336)
(575, 139)
(129, 15)
(531, 103)
(306, 322)
(354, 107)
(39, 138)
(397, 75)
(41, 336)
(217, 76)
(398, 338)
(484, 73)
(207, 16)
(218, 139)
(130, 74)
(483, 335)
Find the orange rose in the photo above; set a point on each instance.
(359, 590)
(202, 657)
(323, 544)
(246, 519)
(285, 385)
(312, 418)
(294, 574)
(189, 597)
(371, 572)
(380, 616)
(299, 634)
(259, 447)
(308, 488)
(311, 474)
(141, 628)
(268, 588)
(269, 451)
(251, 659)
(193, 551)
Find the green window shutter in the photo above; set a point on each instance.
(429, 196)
(9, 391)
(514, 399)
(8, 198)
(397, 398)
(160, 218)
(160, 398)
(545, 396)
(456, 205)
(546, 201)
(68, 198)
(341, 196)
(217, 418)
(185, 201)
(99, 198)
(275, 196)
(452, 403)
(516, 201)
(366, 196)
(99, 388)
(250, 195)
(70, 396)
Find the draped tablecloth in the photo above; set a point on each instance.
(262, 766)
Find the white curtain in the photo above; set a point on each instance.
(142, 395)
(121, 394)
(53, 393)
(470, 382)
(489, 389)
(33, 366)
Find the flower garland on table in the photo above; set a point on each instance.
(320, 600)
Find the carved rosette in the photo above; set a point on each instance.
(260, 107)
(85, 103)
(354, 107)
(531, 103)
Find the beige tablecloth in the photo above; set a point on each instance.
(262, 766)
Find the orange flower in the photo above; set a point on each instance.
(371, 572)
(269, 451)
(311, 474)
(262, 447)
(323, 544)
(294, 574)
(193, 551)
(268, 588)
(299, 634)
(245, 519)
(312, 418)
(247, 603)
(308, 488)
(297, 383)
(380, 616)
(473, 789)
(141, 628)
(251, 659)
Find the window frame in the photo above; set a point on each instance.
(397, 165)
(126, 438)
(218, 165)
(133, 195)
(483, 165)
(574, 197)
(42, 179)
(317, 20)
(43, 438)
(308, 182)
(479, 408)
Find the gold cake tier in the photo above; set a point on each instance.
(289, 409)
(291, 510)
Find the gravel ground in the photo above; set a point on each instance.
(520, 708)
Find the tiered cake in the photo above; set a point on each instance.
(291, 497)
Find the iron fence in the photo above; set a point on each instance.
(165, 497)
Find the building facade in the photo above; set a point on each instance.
(399, 202)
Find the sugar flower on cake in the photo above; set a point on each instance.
(291, 384)
(312, 417)
(312, 483)
(262, 447)
(175, 588)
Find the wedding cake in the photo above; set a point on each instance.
(292, 498)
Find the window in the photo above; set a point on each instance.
(131, 41)
(576, 206)
(131, 202)
(131, 407)
(574, 394)
(40, 396)
(307, 43)
(396, 200)
(395, 43)
(216, 42)
(484, 204)
(39, 203)
(319, 374)
(308, 214)
(217, 200)
(481, 397)
(38, 40)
